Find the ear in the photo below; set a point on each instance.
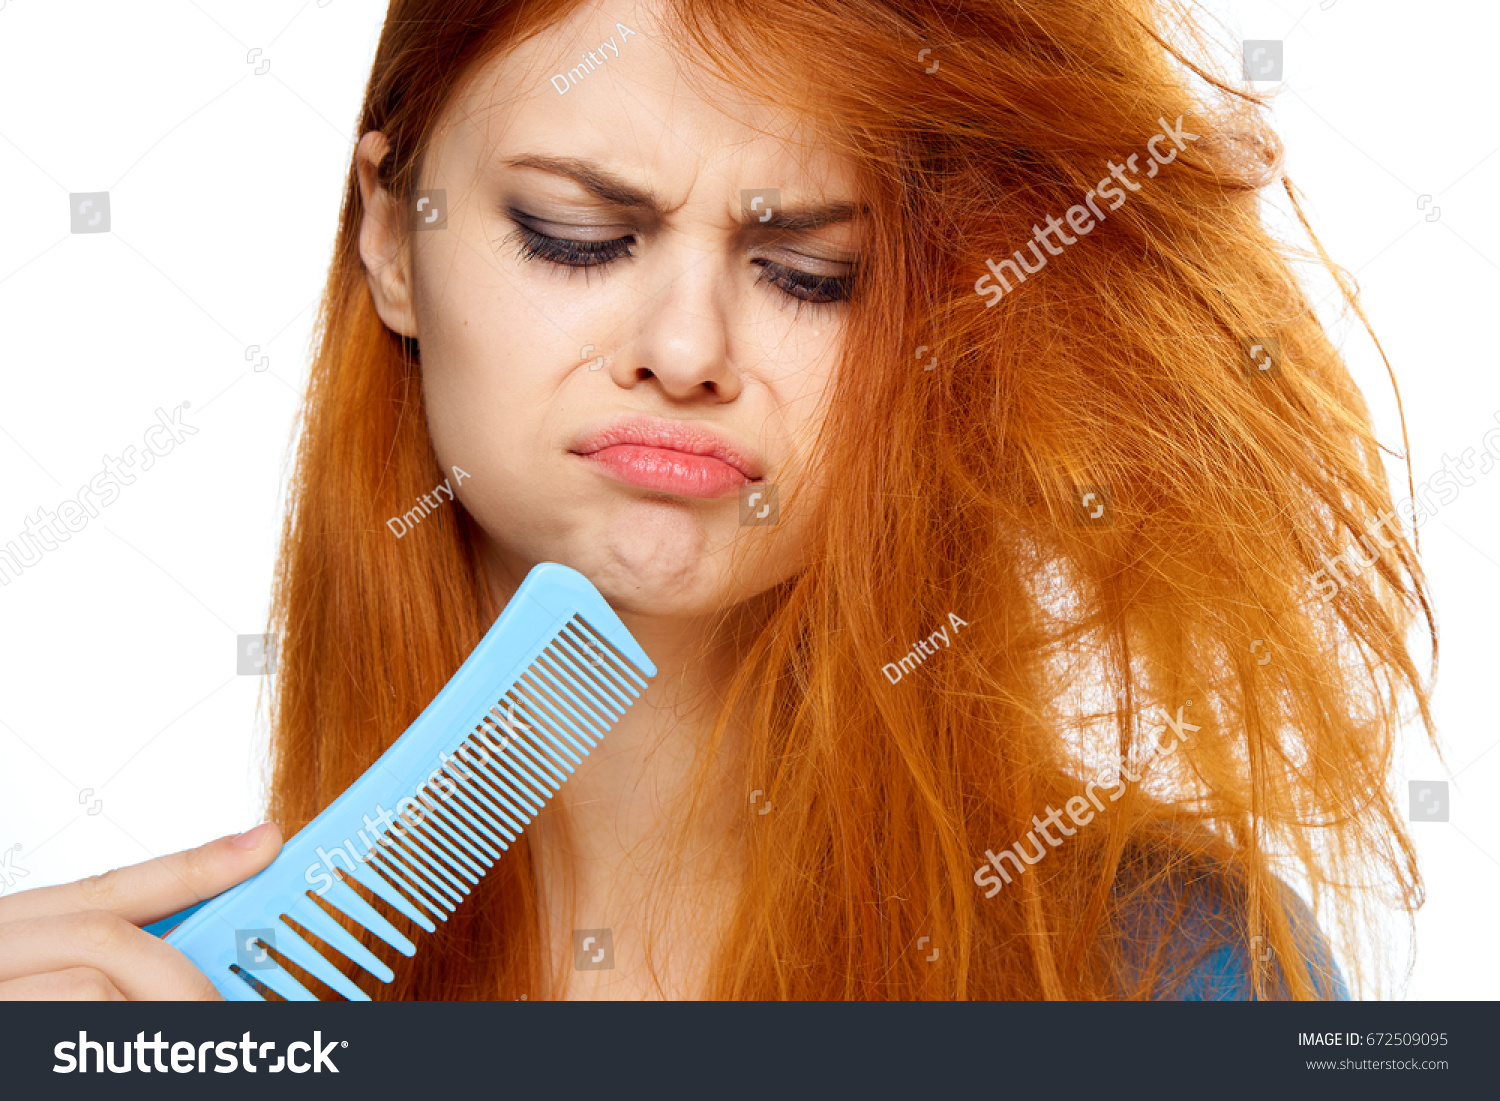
(387, 264)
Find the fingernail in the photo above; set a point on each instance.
(252, 838)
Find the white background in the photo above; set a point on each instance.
(125, 732)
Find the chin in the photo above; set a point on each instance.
(654, 576)
(662, 557)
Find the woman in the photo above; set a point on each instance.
(975, 557)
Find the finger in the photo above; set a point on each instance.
(154, 889)
(75, 984)
(142, 967)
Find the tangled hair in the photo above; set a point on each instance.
(1122, 365)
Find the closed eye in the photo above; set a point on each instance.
(804, 287)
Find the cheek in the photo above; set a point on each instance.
(802, 385)
(800, 380)
(485, 355)
(475, 393)
(488, 386)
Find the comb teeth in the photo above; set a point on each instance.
(554, 673)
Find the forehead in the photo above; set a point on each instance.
(635, 99)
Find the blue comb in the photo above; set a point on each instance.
(550, 677)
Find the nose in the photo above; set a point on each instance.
(682, 340)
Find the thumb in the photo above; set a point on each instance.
(210, 870)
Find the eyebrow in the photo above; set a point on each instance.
(612, 189)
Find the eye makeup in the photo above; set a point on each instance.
(533, 245)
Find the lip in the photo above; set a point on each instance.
(678, 457)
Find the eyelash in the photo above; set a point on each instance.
(805, 289)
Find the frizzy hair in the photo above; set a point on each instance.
(1121, 365)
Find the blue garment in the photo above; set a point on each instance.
(1224, 973)
(1190, 922)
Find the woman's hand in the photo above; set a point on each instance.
(82, 942)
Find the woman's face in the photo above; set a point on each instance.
(689, 326)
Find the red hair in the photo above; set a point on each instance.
(1120, 365)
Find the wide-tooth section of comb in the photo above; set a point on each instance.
(345, 899)
(282, 982)
(311, 917)
(433, 814)
(305, 956)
